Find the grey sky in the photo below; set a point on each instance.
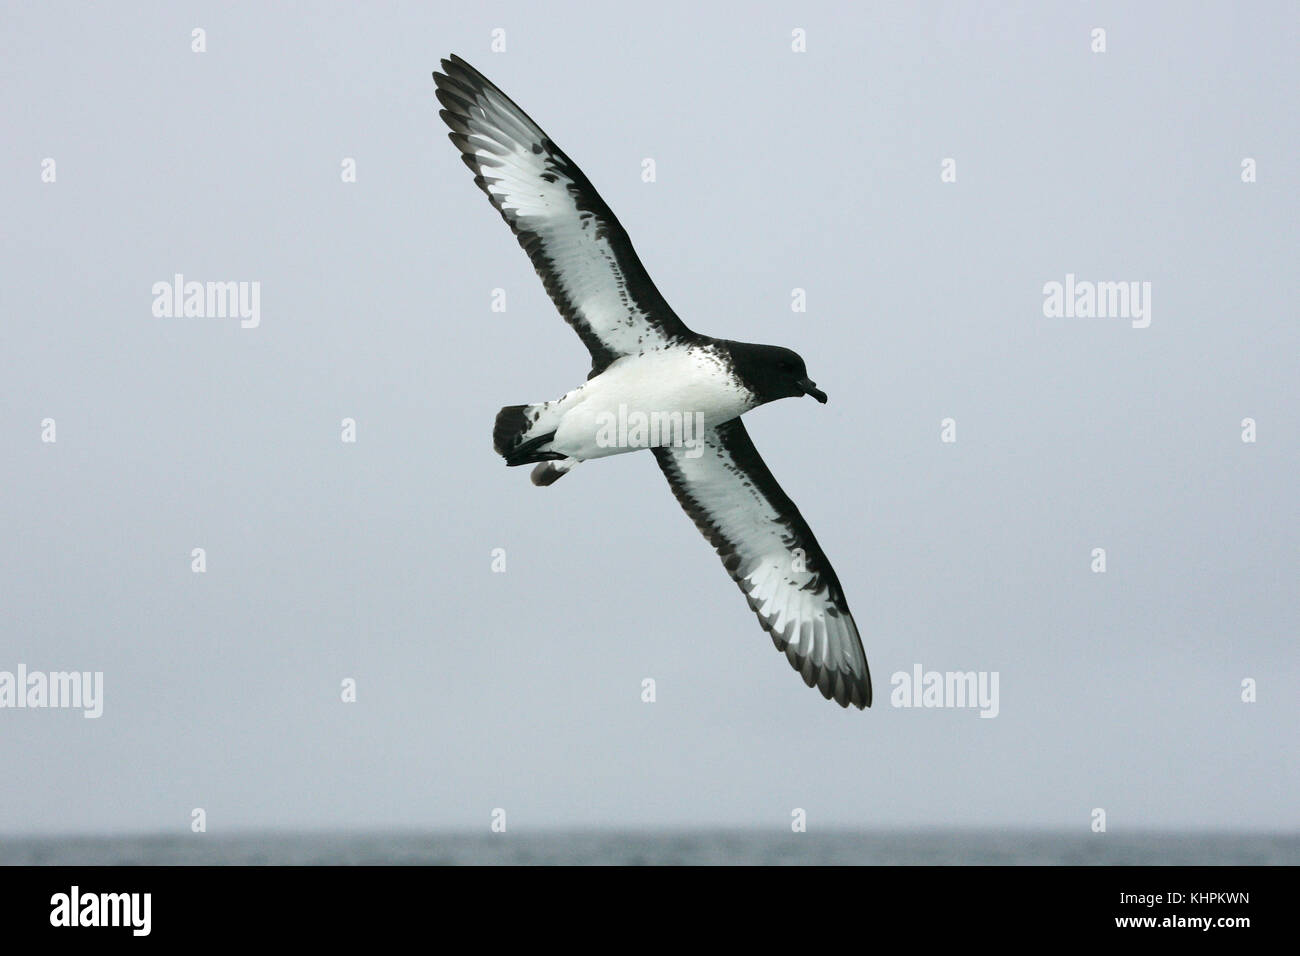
(775, 170)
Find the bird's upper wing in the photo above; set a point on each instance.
(771, 553)
(582, 254)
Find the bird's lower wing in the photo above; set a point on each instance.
(770, 552)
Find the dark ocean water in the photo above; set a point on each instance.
(705, 847)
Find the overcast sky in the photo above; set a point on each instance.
(775, 170)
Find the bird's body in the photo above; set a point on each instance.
(678, 387)
(655, 384)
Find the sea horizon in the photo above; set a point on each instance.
(914, 846)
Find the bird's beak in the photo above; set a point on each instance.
(810, 388)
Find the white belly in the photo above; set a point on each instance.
(667, 397)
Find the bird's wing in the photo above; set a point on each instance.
(582, 254)
(769, 551)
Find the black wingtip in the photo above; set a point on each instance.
(450, 68)
(858, 695)
(457, 68)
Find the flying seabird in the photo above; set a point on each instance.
(654, 383)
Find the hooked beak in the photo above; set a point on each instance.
(810, 388)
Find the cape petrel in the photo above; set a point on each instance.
(654, 384)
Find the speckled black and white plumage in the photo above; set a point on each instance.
(771, 553)
(578, 247)
(644, 357)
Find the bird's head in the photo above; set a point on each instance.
(771, 372)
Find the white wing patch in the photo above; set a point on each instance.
(578, 247)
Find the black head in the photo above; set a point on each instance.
(771, 372)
